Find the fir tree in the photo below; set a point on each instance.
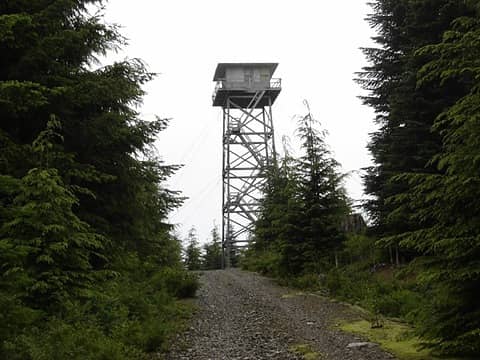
(276, 195)
(445, 205)
(106, 156)
(405, 113)
(277, 229)
(192, 251)
(82, 190)
(323, 197)
(299, 226)
(212, 258)
(53, 246)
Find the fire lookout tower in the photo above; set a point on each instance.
(245, 92)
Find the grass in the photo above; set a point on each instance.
(293, 295)
(187, 309)
(394, 336)
(306, 351)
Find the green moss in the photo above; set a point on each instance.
(306, 351)
(393, 336)
(292, 295)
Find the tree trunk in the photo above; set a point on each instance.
(397, 256)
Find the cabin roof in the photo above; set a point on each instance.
(221, 67)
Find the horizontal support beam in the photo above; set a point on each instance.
(246, 177)
(233, 206)
(266, 134)
(233, 203)
(244, 142)
(245, 168)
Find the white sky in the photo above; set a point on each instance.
(316, 44)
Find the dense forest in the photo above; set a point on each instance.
(89, 266)
(418, 259)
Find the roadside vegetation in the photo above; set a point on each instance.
(206, 257)
(418, 258)
(89, 268)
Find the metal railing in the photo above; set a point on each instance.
(275, 83)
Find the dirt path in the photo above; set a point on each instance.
(245, 316)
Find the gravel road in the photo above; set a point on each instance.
(245, 316)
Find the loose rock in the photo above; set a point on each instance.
(246, 316)
(359, 345)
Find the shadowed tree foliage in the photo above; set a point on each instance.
(405, 113)
(105, 156)
(276, 225)
(83, 206)
(444, 205)
(423, 83)
(304, 205)
(56, 246)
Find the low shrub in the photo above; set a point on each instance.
(177, 282)
(58, 340)
(125, 317)
(398, 303)
(390, 297)
(347, 284)
(306, 282)
(265, 263)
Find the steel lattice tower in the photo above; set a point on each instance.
(246, 92)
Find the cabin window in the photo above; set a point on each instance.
(264, 75)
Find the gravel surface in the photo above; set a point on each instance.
(245, 316)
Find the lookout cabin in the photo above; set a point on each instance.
(242, 83)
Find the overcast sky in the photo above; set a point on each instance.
(316, 44)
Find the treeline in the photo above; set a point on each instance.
(88, 266)
(423, 81)
(206, 257)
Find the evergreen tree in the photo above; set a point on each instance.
(106, 155)
(192, 251)
(405, 113)
(81, 191)
(273, 205)
(323, 197)
(212, 258)
(299, 227)
(278, 222)
(54, 245)
(445, 205)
